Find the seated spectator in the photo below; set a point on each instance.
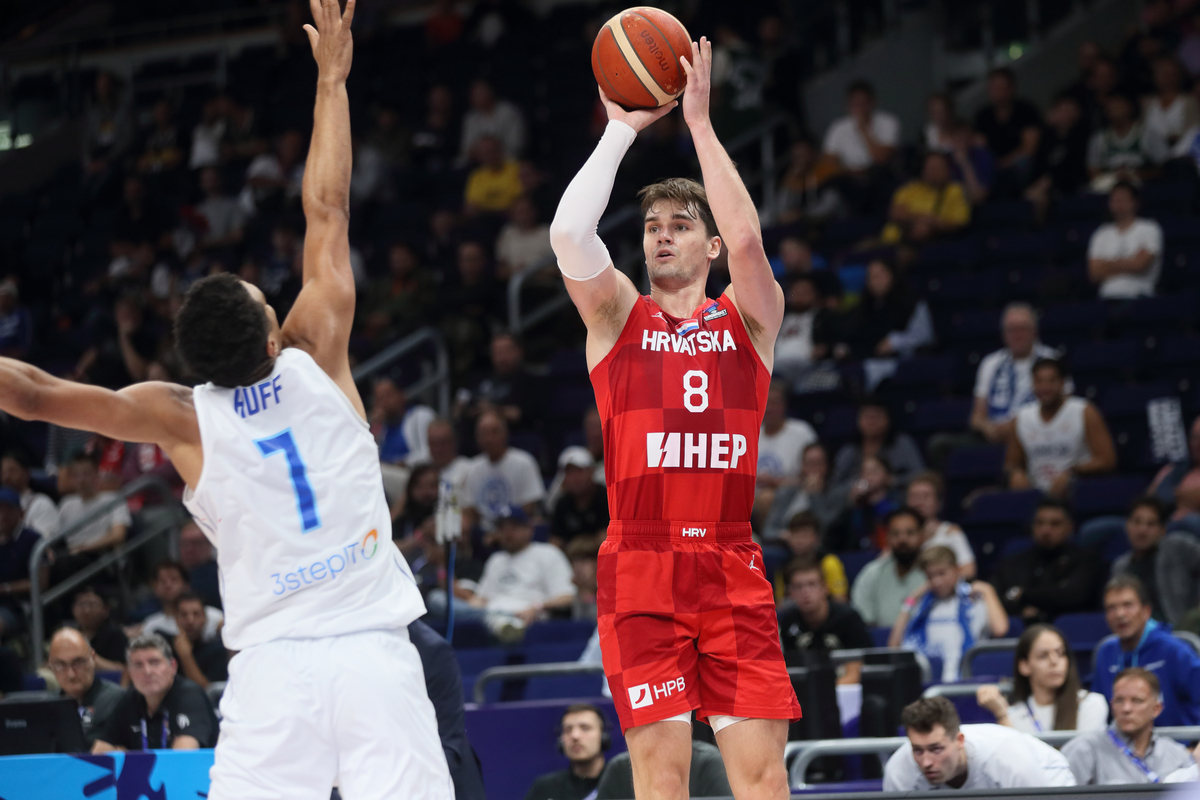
(1011, 127)
(1178, 485)
(806, 193)
(706, 775)
(398, 303)
(223, 217)
(1046, 693)
(162, 710)
(1055, 576)
(1125, 255)
(971, 164)
(510, 388)
(107, 125)
(881, 588)
(102, 533)
(813, 493)
(16, 323)
(523, 241)
(1170, 113)
(947, 618)
(500, 476)
(812, 621)
(1131, 751)
(430, 570)
(809, 330)
(1167, 564)
(582, 509)
(41, 515)
(418, 502)
(941, 752)
(472, 304)
(1125, 149)
(401, 430)
(862, 144)
(1004, 380)
(491, 116)
(888, 322)
(925, 494)
(1139, 640)
(495, 184)
(1058, 438)
(1060, 163)
(877, 437)
(931, 207)
(781, 444)
(91, 614)
(871, 500)
(801, 542)
(584, 738)
(73, 662)
(443, 454)
(196, 556)
(16, 546)
(275, 178)
(584, 554)
(523, 580)
(939, 119)
(204, 661)
(170, 584)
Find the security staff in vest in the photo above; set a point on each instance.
(584, 738)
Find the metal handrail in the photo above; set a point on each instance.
(986, 646)
(963, 689)
(392, 353)
(809, 751)
(531, 671)
(39, 599)
(860, 653)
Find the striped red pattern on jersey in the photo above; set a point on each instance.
(682, 402)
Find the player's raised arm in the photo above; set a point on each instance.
(320, 320)
(755, 291)
(602, 295)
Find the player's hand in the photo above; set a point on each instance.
(699, 84)
(638, 119)
(332, 44)
(989, 697)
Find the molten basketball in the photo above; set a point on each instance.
(636, 57)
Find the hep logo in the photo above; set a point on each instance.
(640, 697)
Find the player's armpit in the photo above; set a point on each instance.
(604, 303)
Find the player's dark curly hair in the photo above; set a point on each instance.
(221, 332)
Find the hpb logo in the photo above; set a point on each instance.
(640, 696)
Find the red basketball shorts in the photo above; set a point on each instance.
(687, 621)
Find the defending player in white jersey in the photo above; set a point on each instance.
(283, 475)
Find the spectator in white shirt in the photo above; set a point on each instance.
(102, 533)
(781, 444)
(925, 494)
(523, 241)
(1004, 380)
(941, 752)
(1125, 255)
(443, 454)
(1046, 694)
(491, 116)
(1170, 112)
(41, 515)
(499, 477)
(524, 579)
(866, 137)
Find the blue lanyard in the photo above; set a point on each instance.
(1133, 662)
(166, 732)
(1037, 726)
(1137, 762)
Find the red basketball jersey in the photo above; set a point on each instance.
(682, 402)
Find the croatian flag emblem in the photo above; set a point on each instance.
(687, 326)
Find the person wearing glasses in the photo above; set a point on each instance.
(73, 662)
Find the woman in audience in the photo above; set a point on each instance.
(925, 494)
(877, 437)
(1046, 693)
(814, 494)
(418, 503)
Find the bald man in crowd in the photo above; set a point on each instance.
(73, 662)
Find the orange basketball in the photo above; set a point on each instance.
(636, 57)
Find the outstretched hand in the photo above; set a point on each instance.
(699, 83)
(332, 44)
(638, 119)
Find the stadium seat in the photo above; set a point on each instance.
(1003, 507)
(880, 636)
(554, 653)
(562, 686)
(1084, 630)
(560, 632)
(985, 462)
(475, 660)
(940, 415)
(1086, 318)
(855, 560)
(1004, 215)
(1130, 401)
(33, 683)
(1014, 547)
(1110, 494)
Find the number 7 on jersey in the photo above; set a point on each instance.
(306, 499)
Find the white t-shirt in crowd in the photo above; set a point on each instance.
(944, 635)
(514, 480)
(41, 514)
(997, 758)
(512, 582)
(520, 249)
(844, 141)
(794, 344)
(73, 507)
(1006, 383)
(950, 535)
(164, 624)
(779, 454)
(1110, 243)
(1055, 446)
(1092, 714)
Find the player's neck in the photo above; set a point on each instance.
(680, 302)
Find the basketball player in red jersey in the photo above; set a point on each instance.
(686, 616)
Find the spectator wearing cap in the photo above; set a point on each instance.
(170, 584)
(582, 510)
(524, 580)
(16, 323)
(1058, 438)
(74, 662)
(41, 514)
(16, 546)
(1130, 750)
(430, 570)
(593, 442)
(1125, 255)
(781, 445)
(162, 710)
(1167, 564)
(499, 477)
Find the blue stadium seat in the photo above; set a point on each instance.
(940, 415)
(554, 653)
(34, 683)
(1073, 317)
(1004, 215)
(1149, 315)
(994, 664)
(560, 632)
(1083, 631)
(560, 686)
(1110, 494)
(1016, 626)
(1081, 208)
(1003, 507)
(475, 660)
(1023, 245)
(880, 636)
(954, 252)
(840, 423)
(571, 400)
(983, 463)
(1130, 401)
(1014, 547)
(855, 560)
(1179, 230)
(569, 363)
(958, 288)
(1109, 357)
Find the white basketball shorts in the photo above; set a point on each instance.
(302, 714)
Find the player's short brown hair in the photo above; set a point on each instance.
(937, 554)
(922, 714)
(685, 191)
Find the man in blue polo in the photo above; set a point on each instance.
(1140, 641)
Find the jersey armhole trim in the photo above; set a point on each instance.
(200, 423)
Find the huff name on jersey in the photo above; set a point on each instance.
(250, 400)
(702, 341)
(700, 450)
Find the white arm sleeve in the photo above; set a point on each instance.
(581, 254)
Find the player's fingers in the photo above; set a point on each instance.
(687, 68)
(605, 99)
(314, 6)
(348, 17)
(313, 36)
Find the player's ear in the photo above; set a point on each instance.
(714, 247)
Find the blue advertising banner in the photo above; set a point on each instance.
(152, 775)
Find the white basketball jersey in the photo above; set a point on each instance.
(291, 494)
(1054, 446)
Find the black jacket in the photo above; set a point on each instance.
(1062, 581)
